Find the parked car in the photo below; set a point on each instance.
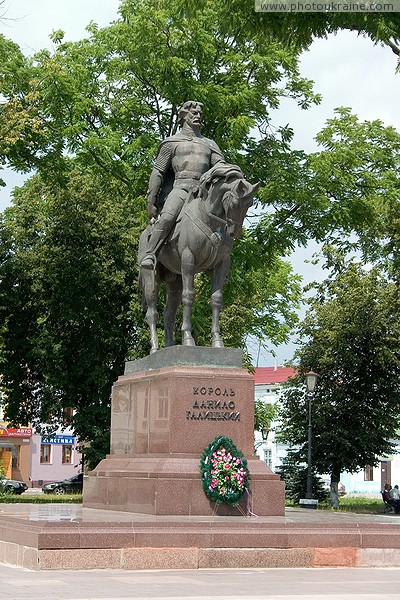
(10, 486)
(73, 485)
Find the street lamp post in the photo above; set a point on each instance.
(264, 437)
(311, 380)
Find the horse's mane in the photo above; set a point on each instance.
(221, 170)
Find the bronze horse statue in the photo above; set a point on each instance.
(201, 241)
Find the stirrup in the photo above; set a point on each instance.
(148, 262)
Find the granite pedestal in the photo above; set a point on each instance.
(56, 536)
(166, 409)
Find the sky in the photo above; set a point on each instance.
(348, 70)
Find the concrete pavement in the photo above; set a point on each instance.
(219, 584)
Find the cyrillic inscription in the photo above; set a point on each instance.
(209, 415)
(213, 409)
(210, 391)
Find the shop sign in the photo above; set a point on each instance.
(16, 432)
(57, 439)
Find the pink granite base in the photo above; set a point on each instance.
(57, 537)
(162, 420)
(198, 558)
(172, 486)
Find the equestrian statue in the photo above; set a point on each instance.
(197, 203)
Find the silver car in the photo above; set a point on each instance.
(11, 486)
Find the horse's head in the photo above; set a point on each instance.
(226, 195)
(236, 202)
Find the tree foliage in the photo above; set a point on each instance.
(299, 29)
(345, 196)
(351, 339)
(357, 174)
(264, 415)
(67, 285)
(88, 117)
(110, 98)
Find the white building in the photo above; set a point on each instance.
(268, 386)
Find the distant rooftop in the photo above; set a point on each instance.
(272, 374)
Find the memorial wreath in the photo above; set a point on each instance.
(224, 471)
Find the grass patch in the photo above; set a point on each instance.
(355, 504)
(361, 505)
(373, 506)
(41, 499)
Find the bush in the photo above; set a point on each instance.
(295, 478)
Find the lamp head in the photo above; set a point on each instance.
(311, 380)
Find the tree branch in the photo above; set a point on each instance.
(394, 48)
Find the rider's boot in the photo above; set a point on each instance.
(156, 238)
(158, 235)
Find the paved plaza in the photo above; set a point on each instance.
(220, 584)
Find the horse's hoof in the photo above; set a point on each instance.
(218, 344)
(153, 350)
(188, 341)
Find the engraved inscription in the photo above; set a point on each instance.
(210, 391)
(216, 408)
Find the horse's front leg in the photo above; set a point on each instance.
(174, 298)
(150, 288)
(187, 268)
(218, 281)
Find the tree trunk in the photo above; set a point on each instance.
(334, 488)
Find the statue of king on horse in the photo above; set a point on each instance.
(196, 205)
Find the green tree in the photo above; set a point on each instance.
(264, 415)
(300, 29)
(357, 174)
(345, 196)
(88, 118)
(351, 339)
(107, 100)
(110, 98)
(66, 304)
(294, 475)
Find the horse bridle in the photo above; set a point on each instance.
(227, 221)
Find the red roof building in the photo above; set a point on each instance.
(271, 375)
(268, 387)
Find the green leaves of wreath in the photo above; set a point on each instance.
(224, 471)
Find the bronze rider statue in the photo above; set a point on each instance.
(180, 162)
